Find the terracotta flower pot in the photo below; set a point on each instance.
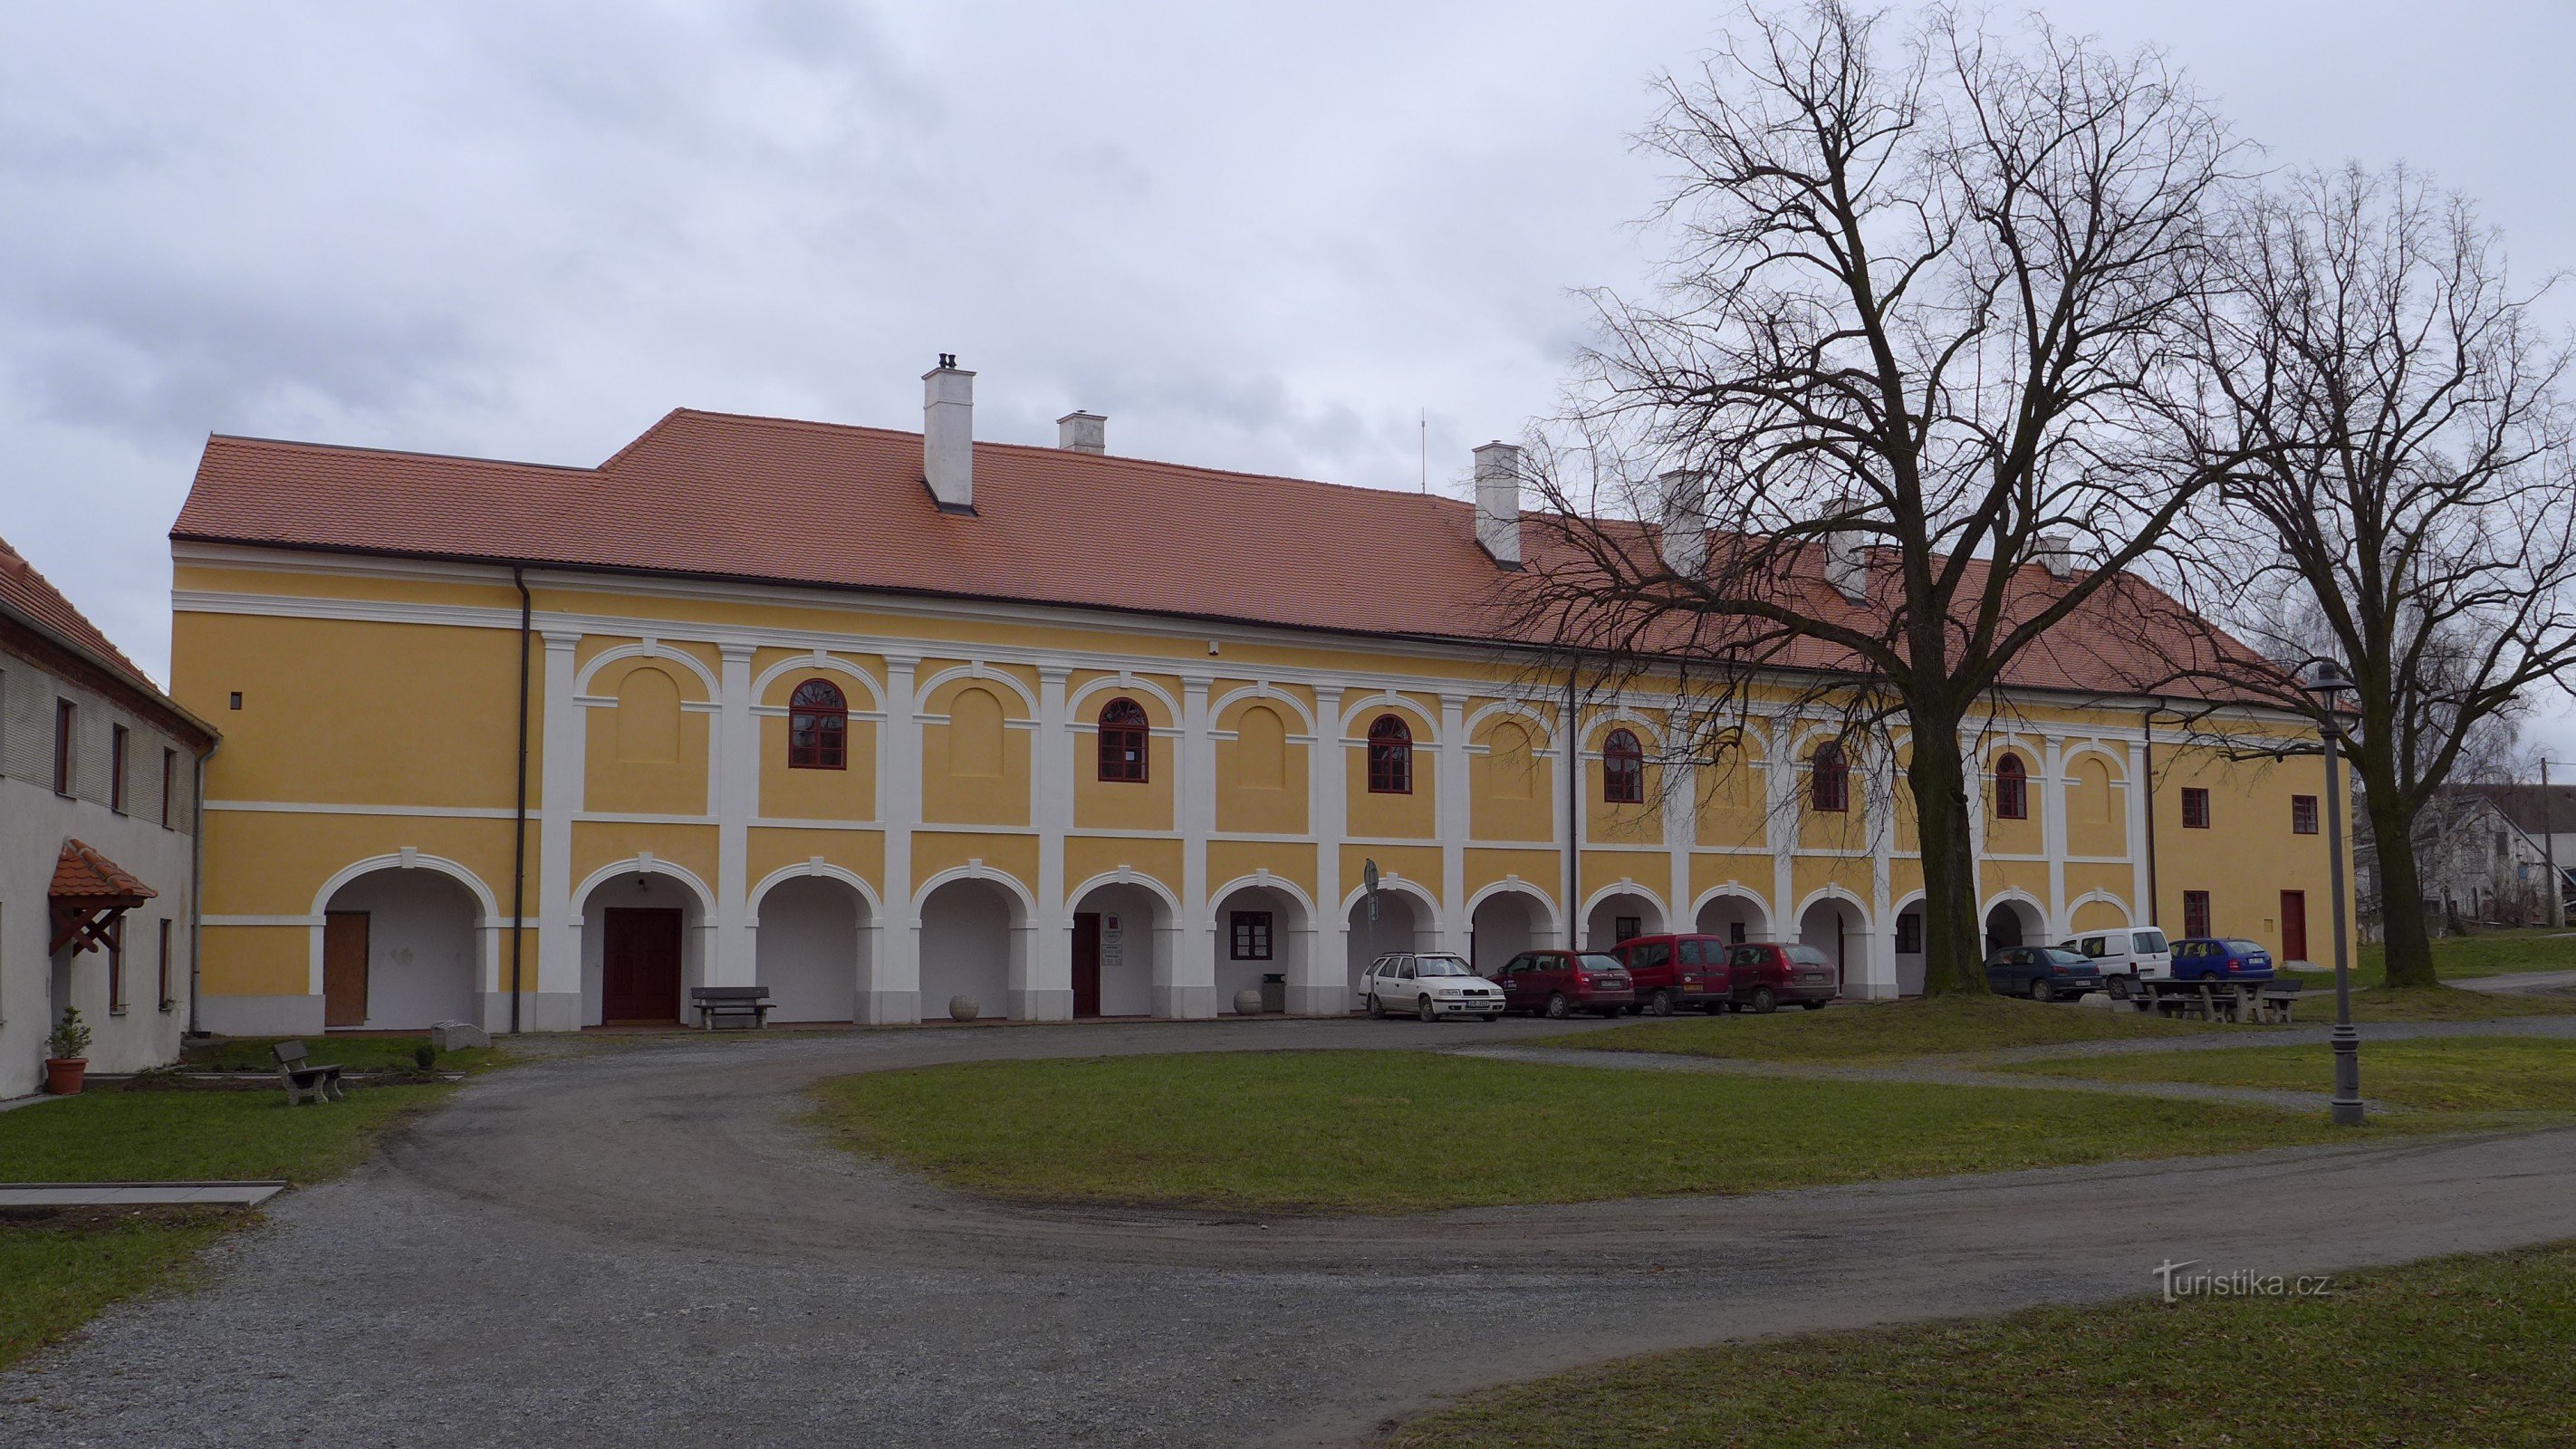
(63, 1075)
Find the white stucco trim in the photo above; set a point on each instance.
(2128, 915)
(1264, 880)
(1261, 690)
(821, 661)
(647, 864)
(1121, 683)
(977, 870)
(651, 647)
(1512, 885)
(974, 669)
(1735, 890)
(816, 868)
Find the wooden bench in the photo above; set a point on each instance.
(304, 1081)
(2277, 1000)
(732, 1002)
(2209, 1000)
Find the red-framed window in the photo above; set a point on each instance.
(116, 738)
(2012, 789)
(2195, 913)
(818, 727)
(2303, 815)
(1623, 769)
(2195, 809)
(167, 1000)
(1829, 779)
(1909, 934)
(169, 783)
(64, 710)
(116, 967)
(1390, 757)
(1251, 935)
(1125, 741)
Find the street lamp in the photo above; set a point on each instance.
(2326, 680)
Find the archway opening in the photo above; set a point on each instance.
(2014, 923)
(1911, 962)
(1261, 932)
(1834, 927)
(970, 944)
(1402, 924)
(812, 949)
(1734, 919)
(1118, 938)
(1505, 924)
(400, 950)
(1617, 916)
(640, 950)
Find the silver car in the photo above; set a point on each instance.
(1428, 984)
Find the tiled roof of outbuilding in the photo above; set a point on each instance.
(82, 874)
(774, 500)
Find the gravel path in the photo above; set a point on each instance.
(637, 1245)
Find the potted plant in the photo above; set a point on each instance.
(64, 1064)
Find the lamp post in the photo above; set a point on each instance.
(2326, 680)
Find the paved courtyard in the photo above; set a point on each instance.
(637, 1243)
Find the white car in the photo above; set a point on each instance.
(2126, 957)
(1430, 985)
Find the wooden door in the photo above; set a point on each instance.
(639, 977)
(2294, 926)
(1086, 963)
(344, 968)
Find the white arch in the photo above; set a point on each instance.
(1735, 891)
(1122, 683)
(976, 870)
(645, 865)
(1400, 886)
(818, 661)
(648, 649)
(1388, 699)
(408, 859)
(1126, 877)
(1544, 729)
(1262, 880)
(1797, 919)
(2127, 917)
(1261, 690)
(930, 686)
(1910, 898)
(2038, 908)
(1625, 888)
(1514, 885)
(1602, 724)
(814, 868)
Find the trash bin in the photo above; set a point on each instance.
(1274, 991)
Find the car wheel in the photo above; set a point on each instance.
(2039, 990)
(1558, 1007)
(1764, 1003)
(1660, 1004)
(2120, 988)
(1376, 1008)
(1423, 1008)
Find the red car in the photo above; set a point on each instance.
(1561, 983)
(1675, 971)
(1770, 973)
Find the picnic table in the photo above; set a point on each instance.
(2215, 1000)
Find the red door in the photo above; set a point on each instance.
(1086, 963)
(2294, 925)
(639, 965)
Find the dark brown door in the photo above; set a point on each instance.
(639, 976)
(2294, 926)
(344, 968)
(1086, 963)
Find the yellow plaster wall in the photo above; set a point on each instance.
(265, 863)
(2097, 808)
(1733, 810)
(1261, 774)
(2016, 837)
(2097, 916)
(1397, 817)
(861, 852)
(596, 843)
(1086, 856)
(1511, 787)
(2249, 855)
(957, 787)
(1291, 861)
(1417, 863)
(647, 758)
(1610, 824)
(1542, 871)
(1650, 870)
(1812, 873)
(256, 961)
(2083, 878)
(1013, 855)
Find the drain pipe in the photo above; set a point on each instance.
(519, 823)
(2155, 911)
(197, 888)
(1573, 818)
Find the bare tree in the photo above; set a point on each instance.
(2414, 512)
(1924, 323)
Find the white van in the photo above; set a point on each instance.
(2140, 953)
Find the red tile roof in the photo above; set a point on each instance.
(82, 874)
(767, 499)
(32, 595)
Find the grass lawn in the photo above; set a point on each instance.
(2466, 1351)
(58, 1270)
(1922, 1027)
(2444, 1074)
(1411, 1131)
(2423, 1003)
(357, 1053)
(2495, 953)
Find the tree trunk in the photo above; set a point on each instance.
(1954, 958)
(2405, 942)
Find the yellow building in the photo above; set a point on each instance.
(880, 719)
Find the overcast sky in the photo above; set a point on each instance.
(527, 230)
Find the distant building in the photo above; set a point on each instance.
(2482, 856)
(98, 832)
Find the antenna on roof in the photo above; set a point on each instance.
(1426, 450)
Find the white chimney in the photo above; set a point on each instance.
(948, 435)
(1682, 499)
(1082, 432)
(2056, 553)
(1846, 555)
(1498, 502)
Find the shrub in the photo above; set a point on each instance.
(71, 1037)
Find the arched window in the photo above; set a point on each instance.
(818, 727)
(1623, 769)
(1829, 779)
(1390, 757)
(1123, 736)
(2012, 789)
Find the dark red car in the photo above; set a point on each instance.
(1561, 983)
(1767, 974)
(1668, 972)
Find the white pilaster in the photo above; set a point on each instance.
(2142, 903)
(1049, 995)
(1681, 830)
(1783, 811)
(1879, 977)
(2052, 834)
(1323, 987)
(893, 993)
(1189, 990)
(734, 959)
(558, 1005)
(1451, 814)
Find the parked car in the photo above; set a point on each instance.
(2221, 958)
(1561, 983)
(1429, 984)
(2042, 973)
(2125, 957)
(1675, 971)
(1761, 977)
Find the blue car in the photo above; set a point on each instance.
(2220, 958)
(2042, 973)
